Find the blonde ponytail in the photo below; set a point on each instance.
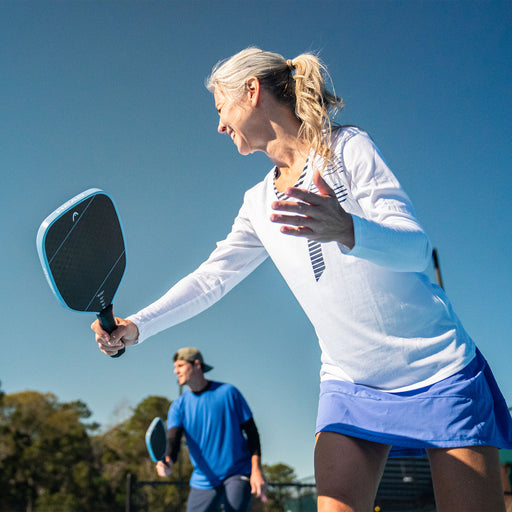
(314, 104)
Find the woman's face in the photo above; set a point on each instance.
(237, 119)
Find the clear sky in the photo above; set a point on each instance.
(111, 94)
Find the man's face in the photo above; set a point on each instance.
(184, 371)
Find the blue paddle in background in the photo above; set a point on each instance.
(156, 440)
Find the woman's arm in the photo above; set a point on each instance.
(233, 260)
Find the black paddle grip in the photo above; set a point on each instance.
(108, 323)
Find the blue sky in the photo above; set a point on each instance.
(111, 95)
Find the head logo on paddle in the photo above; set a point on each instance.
(82, 252)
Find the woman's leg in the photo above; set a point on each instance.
(467, 479)
(347, 472)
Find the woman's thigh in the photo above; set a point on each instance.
(348, 471)
(467, 479)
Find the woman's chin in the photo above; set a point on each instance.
(245, 150)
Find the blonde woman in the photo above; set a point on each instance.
(399, 375)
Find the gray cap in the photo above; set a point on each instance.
(191, 354)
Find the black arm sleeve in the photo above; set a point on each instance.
(253, 437)
(174, 442)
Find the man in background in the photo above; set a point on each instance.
(222, 439)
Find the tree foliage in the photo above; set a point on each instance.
(45, 450)
(276, 496)
(123, 451)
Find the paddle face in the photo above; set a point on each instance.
(156, 440)
(81, 248)
(82, 251)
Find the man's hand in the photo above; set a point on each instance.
(258, 482)
(164, 469)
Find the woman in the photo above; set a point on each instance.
(399, 373)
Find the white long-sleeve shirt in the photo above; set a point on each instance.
(379, 320)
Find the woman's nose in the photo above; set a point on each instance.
(221, 128)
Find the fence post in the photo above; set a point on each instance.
(437, 268)
(130, 484)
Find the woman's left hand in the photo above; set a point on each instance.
(317, 217)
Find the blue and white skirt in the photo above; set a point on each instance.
(466, 409)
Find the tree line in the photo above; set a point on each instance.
(54, 459)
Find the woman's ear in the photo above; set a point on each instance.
(252, 86)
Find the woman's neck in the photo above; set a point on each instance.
(282, 145)
(281, 141)
(290, 162)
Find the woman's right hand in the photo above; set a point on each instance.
(126, 333)
(164, 469)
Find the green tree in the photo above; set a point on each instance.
(46, 455)
(123, 451)
(276, 496)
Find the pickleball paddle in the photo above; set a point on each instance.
(156, 440)
(82, 252)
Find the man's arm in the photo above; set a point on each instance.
(174, 443)
(258, 483)
(164, 468)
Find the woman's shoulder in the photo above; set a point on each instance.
(343, 133)
(349, 141)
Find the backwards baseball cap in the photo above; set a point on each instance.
(191, 354)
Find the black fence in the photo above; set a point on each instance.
(302, 497)
(406, 486)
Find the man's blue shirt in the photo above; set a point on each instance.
(211, 422)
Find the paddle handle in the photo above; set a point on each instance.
(108, 323)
